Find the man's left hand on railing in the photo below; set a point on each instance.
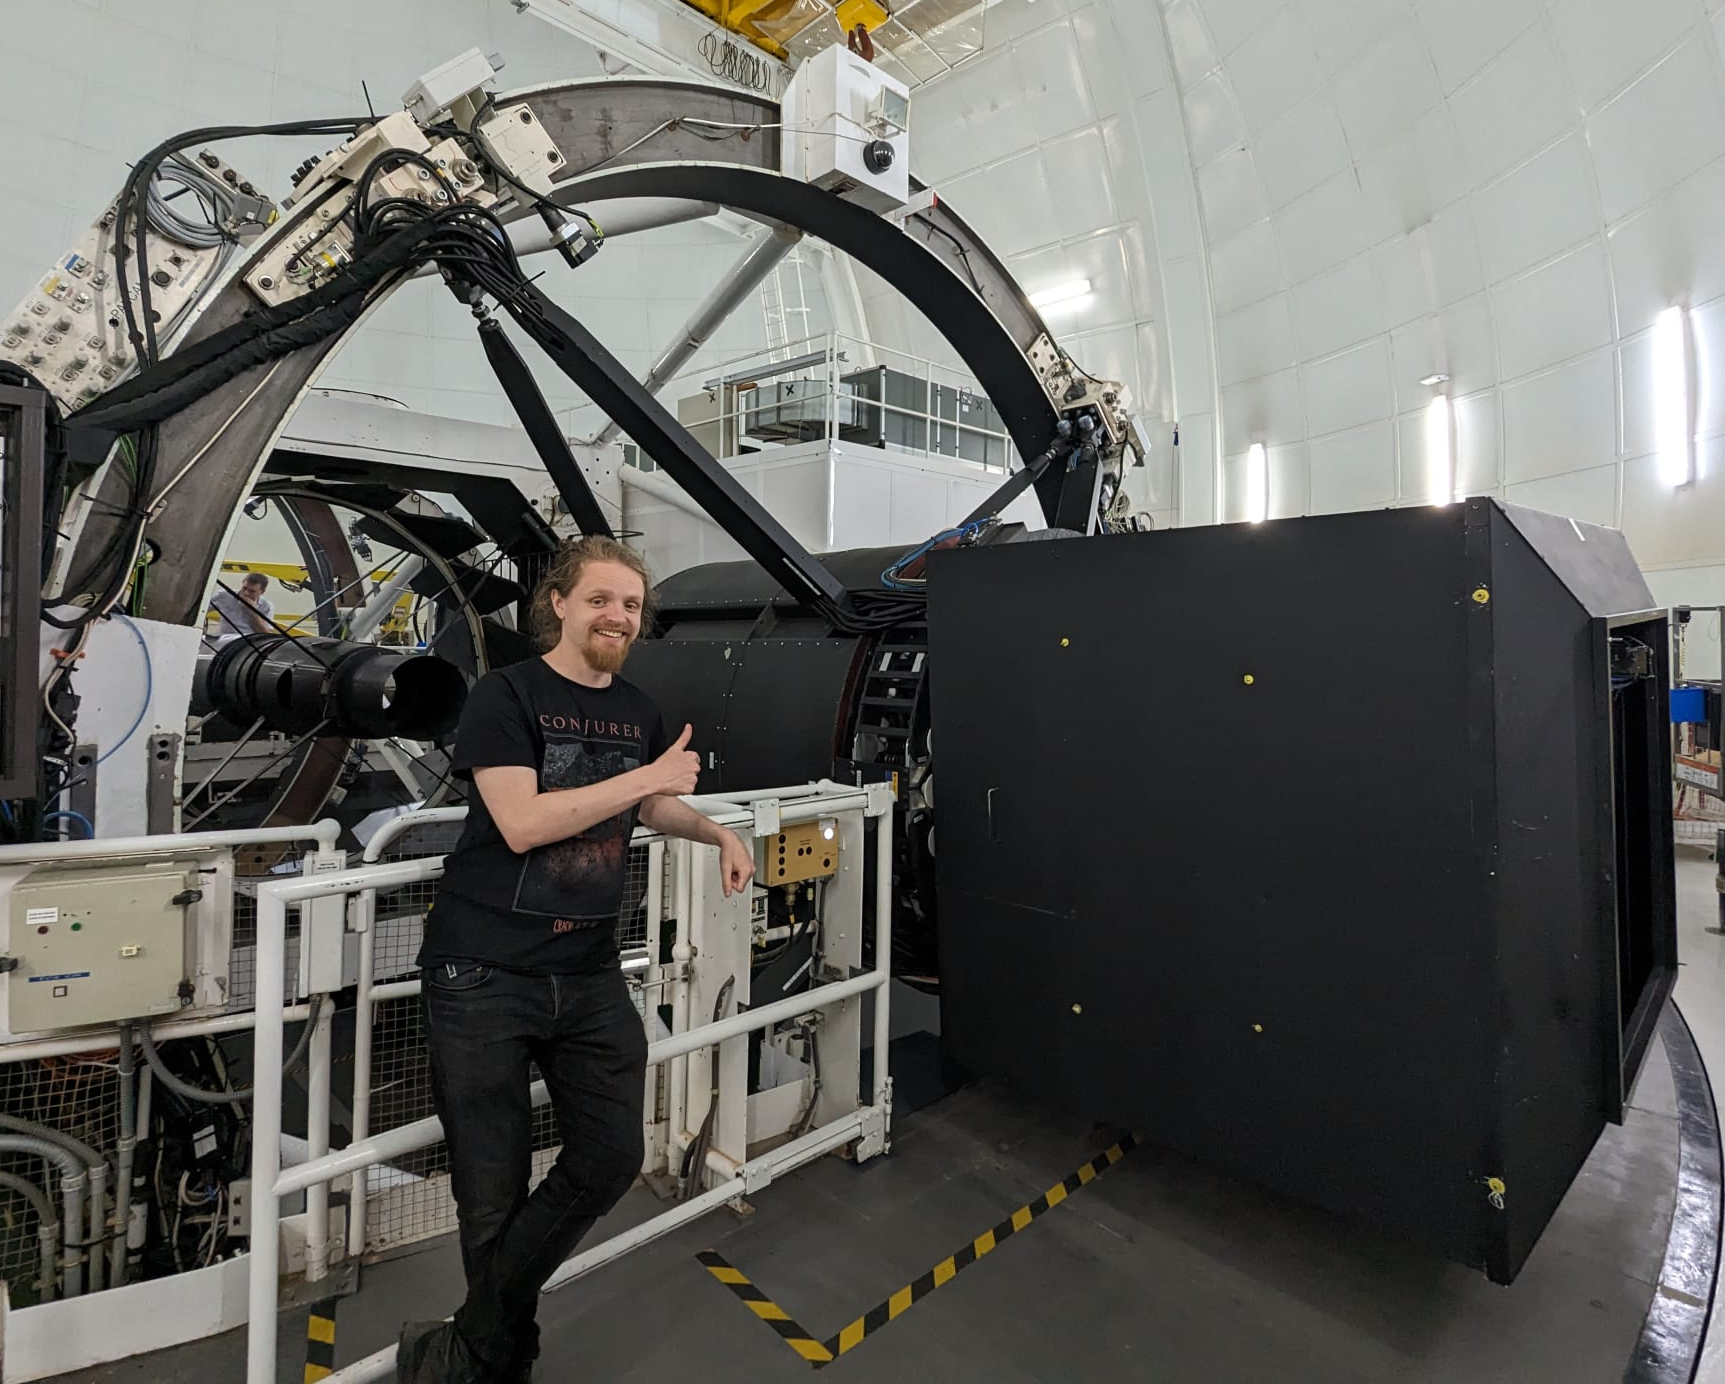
(736, 863)
(673, 817)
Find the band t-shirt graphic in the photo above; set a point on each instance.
(553, 909)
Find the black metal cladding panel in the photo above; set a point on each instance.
(786, 704)
(690, 681)
(1243, 918)
(744, 586)
(1594, 564)
(764, 711)
(1554, 1007)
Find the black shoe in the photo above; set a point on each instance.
(434, 1353)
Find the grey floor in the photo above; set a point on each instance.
(1158, 1271)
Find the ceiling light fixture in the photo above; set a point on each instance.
(1257, 484)
(1674, 396)
(1074, 292)
(1440, 451)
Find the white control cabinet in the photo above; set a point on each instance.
(847, 129)
(97, 945)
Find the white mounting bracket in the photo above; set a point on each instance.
(880, 799)
(876, 1121)
(768, 820)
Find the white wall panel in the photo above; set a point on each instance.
(1338, 309)
(1273, 70)
(1554, 312)
(1256, 340)
(1387, 88)
(1668, 251)
(1188, 41)
(1323, 228)
(1565, 420)
(1290, 481)
(1341, 29)
(1641, 144)
(1519, 103)
(1410, 178)
(1590, 496)
(1228, 189)
(1431, 267)
(1230, 26)
(1458, 343)
(1349, 389)
(1354, 470)
(1212, 119)
(1197, 469)
(1606, 44)
(1682, 526)
(1245, 267)
(1478, 456)
(1463, 36)
(1302, 149)
(1265, 410)
(1532, 212)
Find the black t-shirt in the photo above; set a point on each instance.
(553, 910)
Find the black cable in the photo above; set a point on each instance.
(729, 61)
(957, 244)
(131, 214)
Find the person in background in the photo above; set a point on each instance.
(245, 611)
(520, 960)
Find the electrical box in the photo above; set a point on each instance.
(442, 88)
(97, 945)
(847, 130)
(809, 850)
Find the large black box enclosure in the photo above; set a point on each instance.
(1333, 852)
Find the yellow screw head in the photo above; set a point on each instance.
(1481, 596)
(1257, 1028)
(1250, 679)
(1077, 1009)
(1065, 643)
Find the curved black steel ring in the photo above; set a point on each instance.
(958, 314)
(1675, 1330)
(988, 318)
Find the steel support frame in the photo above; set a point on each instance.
(762, 257)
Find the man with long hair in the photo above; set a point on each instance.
(520, 953)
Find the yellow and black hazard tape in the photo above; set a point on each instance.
(767, 1310)
(821, 1353)
(320, 1342)
(986, 1243)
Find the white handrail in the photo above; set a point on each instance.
(324, 833)
(270, 1182)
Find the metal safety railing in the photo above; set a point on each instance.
(756, 813)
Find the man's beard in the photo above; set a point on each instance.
(605, 655)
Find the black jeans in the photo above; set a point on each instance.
(485, 1025)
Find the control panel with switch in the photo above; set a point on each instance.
(97, 945)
